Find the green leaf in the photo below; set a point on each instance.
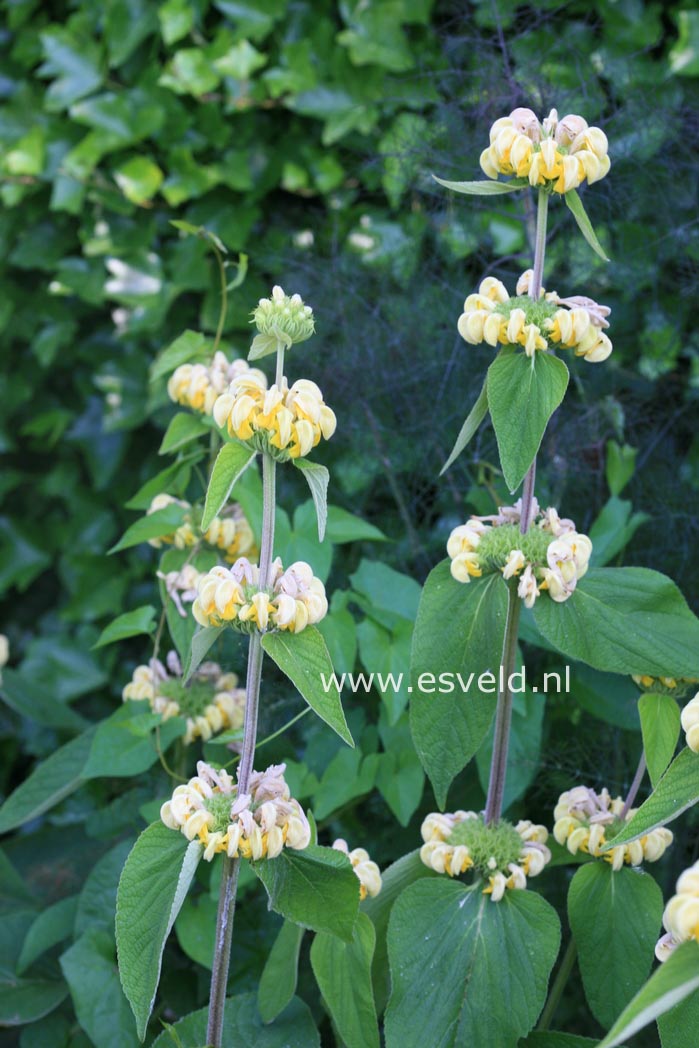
(620, 466)
(684, 54)
(626, 620)
(173, 478)
(677, 790)
(153, 526)
(26, 1000)
(124, 744)
(190, 346)
(243, 1027)
(202, 641)
(469, 428)
(266, 345)
(139, 179)
(103, 1012)
(678, 1027)
(31, 699)
(231, 462)
(554, 1039)
(491, 962)
(152, 888)
(280, 973)
(575, 206)
(394, 880)
(241, 61)
(386, 654)
(97, 899)
(348, 775)
(400, 780)
(459, 630)
(51, 927)
(614, 917)
(343, 974)
(523, 393)
(314, 888)
(48, 784)
(482, 188)
(195, 929)
(130, 624)
(660, 726)
(317, 478)
(345, 527)
(183, 429)
(176, 20)
(74, 61)
(304, 658)
(613, 530)
(668, 985)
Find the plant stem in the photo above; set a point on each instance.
(229, 879)
(559, 985)
(535, 292)
(635, 785)
(503, 717)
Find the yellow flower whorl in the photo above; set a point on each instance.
(582, 818)
(445, 849)
(287, 422)
(553, 556)
(212, 702)
(197, 386)
(255, 825)
(294, 599)
(231, 534)
(575, 322)
(556, 154)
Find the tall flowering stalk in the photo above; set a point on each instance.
(285, 321)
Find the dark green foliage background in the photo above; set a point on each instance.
(304, 133)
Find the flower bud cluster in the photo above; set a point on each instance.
(551, 557)
(255, 825)
(550, 323)
(681, 916)
(287, 422)
(292, 600)
(231, 534)
(284, 317)
(211, 701)
(584, 817)
(503, 854)
(690, 723)
(197, 386)
(557, 154)
(677, 687)
(367, 871)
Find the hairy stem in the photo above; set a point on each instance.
(559, 985)
(503, 717)
(635, 785)
(229, 880)
(535, 292)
